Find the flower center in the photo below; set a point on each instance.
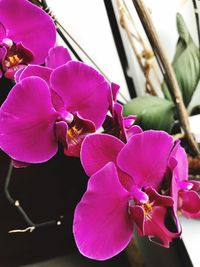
(73, 132)
(147, 207)
(13, 57)
(12, 61)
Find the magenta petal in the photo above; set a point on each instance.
(145, 157)
(113, 95)
(182, 162)
(139, 195)
(97, 150)
(174, 182)
(18, 74)
(83, 90)
(178, 165)
(57, 57)
(61, 128)
(10, 73)
(114, 89)
(189, 201)
(120, 130)
(30, 25)
(3, 52)
(157, 199)
(190, 215)
(2, 32)
(34, 70)
(19, 164)
(135, 129)
(102, 226)
(154, 227)
(185, 185)
(59, 104)
(150, 218)
(128, 121)
(27, 122)
(138, 217)
(195, 185)
(160, 200)
(174, 190)
(127, 182)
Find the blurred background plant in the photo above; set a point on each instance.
(162, 107)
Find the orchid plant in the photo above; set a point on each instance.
(137, 178)
(186, 67)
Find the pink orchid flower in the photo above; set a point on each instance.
(122, 191)
(61, 105)
(57, 56)
(26, 35)
(116, 124)
(183, 191)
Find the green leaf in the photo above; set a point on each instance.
(152, 112)
(195, 110)
(186, 63)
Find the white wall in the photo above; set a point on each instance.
(87, 22)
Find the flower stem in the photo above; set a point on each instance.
(68, 44)
(169, 76)
(16, 203)
(127, 23)
(134, 254)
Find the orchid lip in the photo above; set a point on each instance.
(147, 206)
(15, 57)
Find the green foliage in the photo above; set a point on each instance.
(186, 63)
(195, 110)
(152, 112)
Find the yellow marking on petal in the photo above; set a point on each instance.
(72, 133)
(147, 207)
(13, 60)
